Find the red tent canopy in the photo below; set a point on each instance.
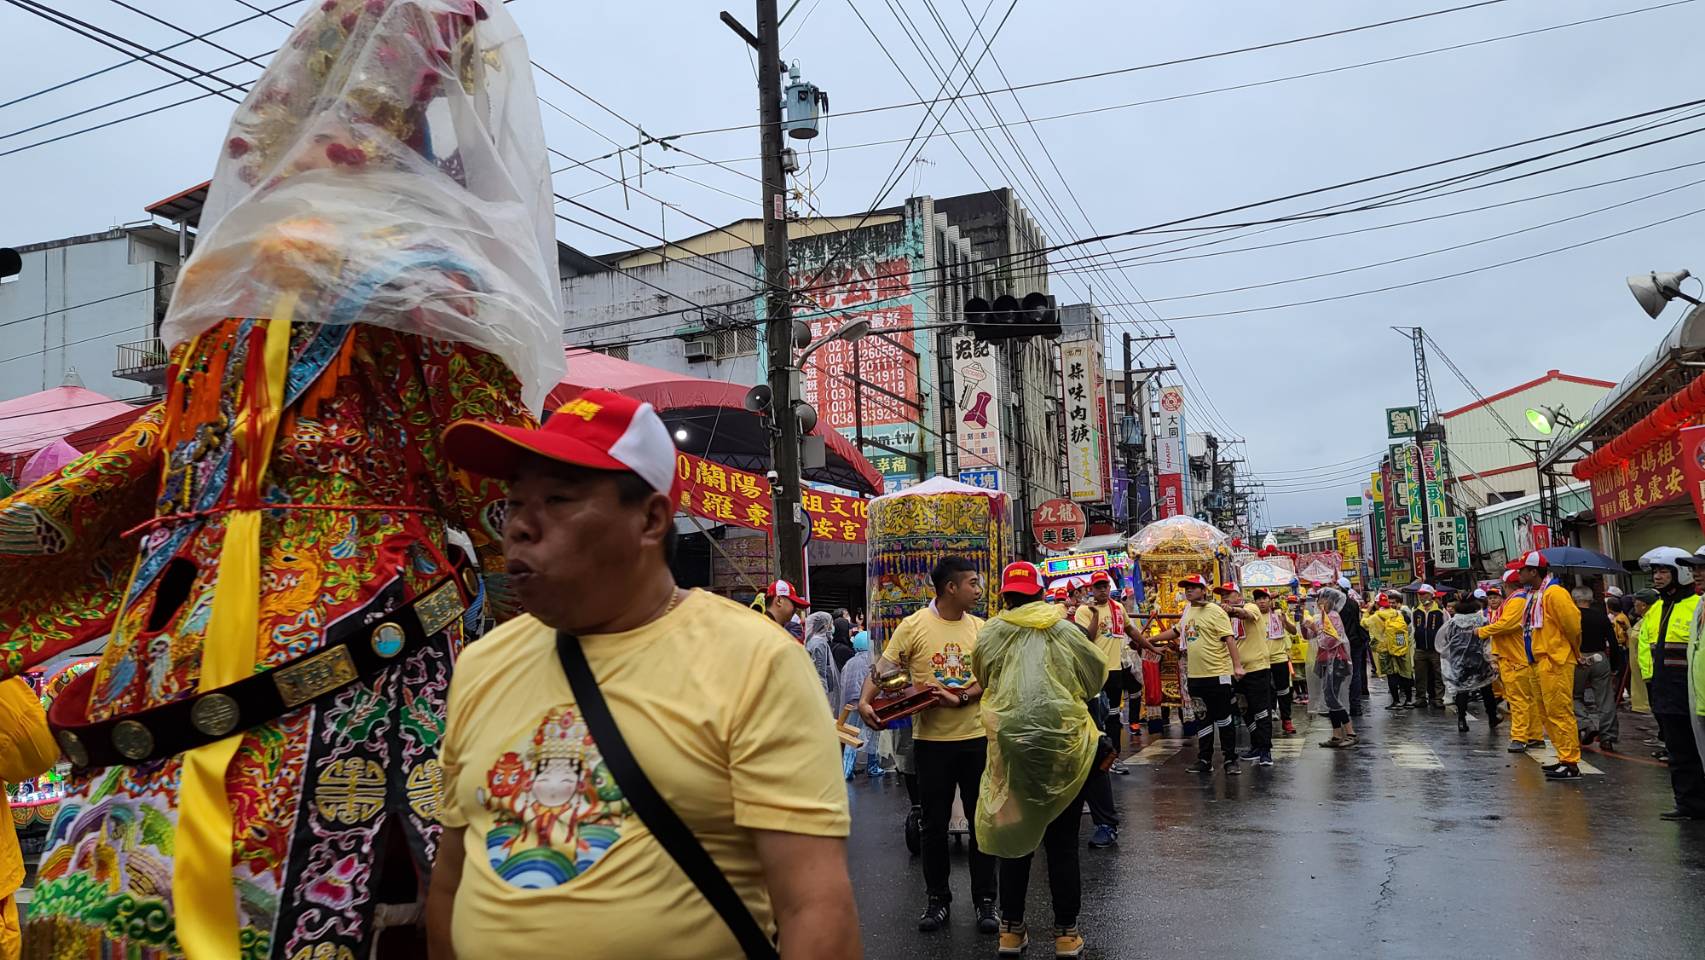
(717, 425)
(711, 413)
(32, 422)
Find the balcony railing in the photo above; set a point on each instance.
(143, 361)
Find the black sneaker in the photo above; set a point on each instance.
(1675, 816)
(1264, 760)
(1233, 768)
(1535, 744)
(934, 917)
(1250, 754)
(1200, 766)
(1564, 771)
(988, 921)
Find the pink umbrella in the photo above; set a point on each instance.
(47, 460)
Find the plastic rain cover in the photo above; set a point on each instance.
(389, 167)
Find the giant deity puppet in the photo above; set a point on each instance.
(255, 766)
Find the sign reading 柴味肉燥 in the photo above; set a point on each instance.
(1651, 477)
(721, 493)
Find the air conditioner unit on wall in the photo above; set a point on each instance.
(697, 351)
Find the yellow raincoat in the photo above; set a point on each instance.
(1556, 649)
(26, 750)
(1514, 670)
(1389, 634)
(1037, 670)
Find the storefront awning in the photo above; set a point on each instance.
(1659, 376)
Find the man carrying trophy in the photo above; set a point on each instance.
(931, 651)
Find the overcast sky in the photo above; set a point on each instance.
(1306, 385)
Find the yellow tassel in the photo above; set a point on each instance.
(203, 894)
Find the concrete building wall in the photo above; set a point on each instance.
(608, 309)
(1487, 464)
(75, 301)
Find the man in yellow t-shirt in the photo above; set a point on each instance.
(949, 744)
(1249, 634)
(542, 851)
(1212, 665)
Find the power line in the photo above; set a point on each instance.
(109, 39)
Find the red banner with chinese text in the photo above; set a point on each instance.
(1650, 478)
(1692, 456)
(727, 495)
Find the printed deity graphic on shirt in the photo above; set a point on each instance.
(950, 667)
(555, 805)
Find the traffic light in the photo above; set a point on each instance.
(1010, 318)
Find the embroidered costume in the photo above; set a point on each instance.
(256, 753)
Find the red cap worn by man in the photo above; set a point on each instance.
(588, 532)
(784, 601)
(1023, 578)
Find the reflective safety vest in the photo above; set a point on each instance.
(1677, 631)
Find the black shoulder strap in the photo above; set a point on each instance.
(659, 817)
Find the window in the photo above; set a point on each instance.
(736, 342)
(616, 352)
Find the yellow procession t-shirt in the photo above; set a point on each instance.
(936, 651)
(1252, 646)
(725, 714)
(1112, 638)
(1207, 631)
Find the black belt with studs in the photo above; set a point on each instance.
(358, 648)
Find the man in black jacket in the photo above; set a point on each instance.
(1359, 652)
(1428, 618)
(840, 644)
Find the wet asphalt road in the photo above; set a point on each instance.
(1422, 842)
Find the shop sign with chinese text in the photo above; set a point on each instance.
(1076, 564)
(1650, 478)
(726, 495)
(1086, 433)
(977, 411)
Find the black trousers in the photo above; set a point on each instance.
(1281, 674)
(1359, 679)
(1065, 880)
(1686, 777)
(1114, 692)
(945, 766)
(1257, 690)
(1487, 698)
(1216, 696)
(1098, 789)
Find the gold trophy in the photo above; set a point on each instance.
(897, 697)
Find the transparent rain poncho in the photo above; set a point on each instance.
(1037, 669)
(388, 168)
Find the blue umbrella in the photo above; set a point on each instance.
(1580, 558)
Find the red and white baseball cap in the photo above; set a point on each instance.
(1194, 580)
(1227, 587)
(1536, 560)
(1426, 588)
(1510, 576)
(1099, 576)
(1384, 600)
(1021, 577)
(599, 429)
(781, 588)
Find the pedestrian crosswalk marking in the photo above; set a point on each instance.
(1414, 756)
(1156, 753)
(1548, 756)
(1288, 748)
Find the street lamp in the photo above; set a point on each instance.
(852, 332)
(1654, 291)
(1546, 419)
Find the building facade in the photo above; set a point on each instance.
(85, 311)
(1488, 466)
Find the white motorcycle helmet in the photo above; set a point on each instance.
(1675, 558)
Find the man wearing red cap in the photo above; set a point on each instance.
(1212, 665)
(784, 601)
(1039, 675)
(564, 761)
(1527, 730)
(1551, 642)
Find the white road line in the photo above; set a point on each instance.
(1156, 753)
(1414, 756)
(1288, 748)
(1549, 756)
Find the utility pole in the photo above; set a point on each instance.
(788, 525)
(1135, 472)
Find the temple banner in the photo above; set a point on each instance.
(726, 495)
